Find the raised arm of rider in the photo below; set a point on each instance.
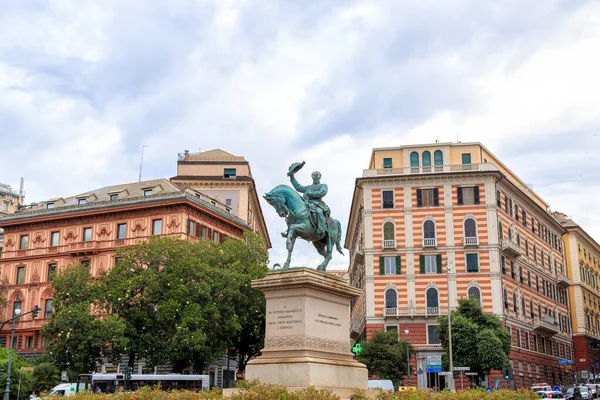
(297, 185)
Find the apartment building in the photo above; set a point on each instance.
(582, 256)
(432, 223)
(10, 201)
(226, 178)
(88, 228)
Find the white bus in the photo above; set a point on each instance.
(110, 383)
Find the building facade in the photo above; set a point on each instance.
(10, 201)
(89, 228)
(433, 223)
(582, 256)
(226, 178)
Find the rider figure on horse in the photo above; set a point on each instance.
(313, 195)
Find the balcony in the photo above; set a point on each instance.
(389, 244)
(593, 333)
(82, 248)
(433, 169)
(355, 328)
(546, 326)
(471, 241)
(562, 281)
(430, 242)
(359, 254)
(510, 248)
(415, 311)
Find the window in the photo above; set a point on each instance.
(215, 236)
(505, 298)
(191, 227)
(5, 206)
(523, 308)
(387, 163)
(49, 206)
(470, 230)
(466, 158)
(121, 231)
(48, 309)
(147, 192)
(515, 305)
(20, 275)
(524, 217)
(432, 299)
(467, 195)
(513, 272)
(414, 160)
(426, 159)
(535, 344)
(430, 264)
(113, 197)
(85, 263)
(51, 272)
(87, 234)
(24, 243)
(389, 235)
(81, 201)
(428, 197)
(391, 328)
(387, 198)
(229, 173)
(472, 262)
(432, 335)
(498, 199)
(529, 278)
(228, 202)
(438, 159)
(28, 342)
(156, 226)
(475, 293)
(531, 312)
(389, 265)
(54, 239)
(521, 278)
(503, 264)
(516, 211)
(118, 260)
(429, 233)
(391, 298)
(518, 337)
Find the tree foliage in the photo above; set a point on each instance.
(165, 301)
(45, 377)
(385, 355)
(479, 340)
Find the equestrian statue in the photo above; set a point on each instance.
(307, 217)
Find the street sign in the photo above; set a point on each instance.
(462, 368)
(420, 371)
(64, 377)
(445, 373)
(565, 362)
(434, 368)
(471, 373)
(433, 360)
(27, 369)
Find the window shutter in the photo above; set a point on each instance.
(438, 259)
(419, 198)
(436, 197)
(398, 266)
(381, 266)
(209, 233)
(459, 195)
(422, 263)
(198, 229)
(476, 194)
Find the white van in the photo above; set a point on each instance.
(64, 389)
(384, 384)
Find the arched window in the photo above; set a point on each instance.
(518, 240)
(531, 309)
(391, 298)
(414, 159)
(470, 228)
(509, 234)
(438, 158)
(475, 293)
(429, 229)
(515, 306)
(523, 308)
(500, 232)
(432, 300)
(426, 158)
(388, 231)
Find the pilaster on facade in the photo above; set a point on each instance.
(408, 217)
(496, 283)
(370, 295)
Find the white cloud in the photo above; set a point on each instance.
(84, 84)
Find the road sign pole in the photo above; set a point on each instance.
(462, 387)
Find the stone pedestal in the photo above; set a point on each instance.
(307, 341)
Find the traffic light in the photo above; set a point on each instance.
(36, 310)
(506, 374)
(127, 373)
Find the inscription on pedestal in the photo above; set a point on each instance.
(327, 320)
(285, 319)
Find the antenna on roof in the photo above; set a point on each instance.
(142, 162)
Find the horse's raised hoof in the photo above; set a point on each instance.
(286, 265)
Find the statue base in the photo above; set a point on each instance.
(307, 339)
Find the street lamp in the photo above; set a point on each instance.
(407, 355)
(17, 312)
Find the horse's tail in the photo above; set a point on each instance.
(338, 245)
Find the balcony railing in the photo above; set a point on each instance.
(429, 242)
(429, 169)
(471, 241)
(545, 326)
(591, 332)
(389, 244)
(562, 280)
(415, 311)
(510, 248)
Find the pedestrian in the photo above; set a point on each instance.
(32, 396)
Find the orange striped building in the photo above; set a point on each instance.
(430, 224)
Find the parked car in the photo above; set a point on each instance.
(541, 387)
(584, 390)
(550, 394)
(384, 384)
(593, 390)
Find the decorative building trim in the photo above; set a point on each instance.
(300, 341)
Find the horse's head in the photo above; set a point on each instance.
(278, 202)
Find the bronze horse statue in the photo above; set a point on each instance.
(289, 205)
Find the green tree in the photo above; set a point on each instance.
(385, 355)
(45, 377)
(479, 340)
(15, 374)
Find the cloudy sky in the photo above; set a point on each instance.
(84, 84)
